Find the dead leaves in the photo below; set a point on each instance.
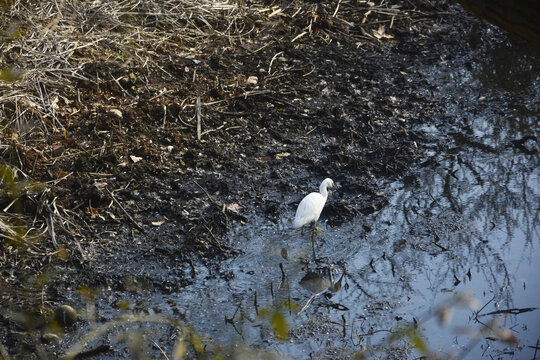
(380, 33)
(158, 223)
(282, 155)
(235, 208)
(135, 159)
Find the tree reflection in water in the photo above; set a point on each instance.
(469, 222)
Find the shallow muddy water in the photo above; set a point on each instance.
(464, 223)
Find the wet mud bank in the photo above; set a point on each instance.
(156, 223)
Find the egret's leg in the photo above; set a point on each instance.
(302, 230)
(313, 239)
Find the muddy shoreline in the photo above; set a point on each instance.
(145, 204)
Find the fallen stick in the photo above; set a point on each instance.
(198, 116)
(130, 218)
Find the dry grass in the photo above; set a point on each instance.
(51, 44)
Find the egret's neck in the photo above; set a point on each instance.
(324, 191)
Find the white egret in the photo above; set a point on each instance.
(310, 208)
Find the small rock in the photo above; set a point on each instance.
(65, 315)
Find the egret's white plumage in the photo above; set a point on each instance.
(310, 208)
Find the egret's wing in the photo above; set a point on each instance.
(309, 209)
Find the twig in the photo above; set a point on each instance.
(124, 211)
(207, 194)
(439, 246)
(375, 332)
(297, 37)
(198, 115)
(283, 276)
(308, 302)
(216, 241)
(164, 121)
(337, 8)
(161, 350)
(52, 233)
(514, 311)
(483, 307)
(272, 61)
(123, 90)
(255, 303)
(211, 130)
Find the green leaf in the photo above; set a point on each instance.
(18, 33)
(280, 326)
(196, 342)
(418, 342)
(360, 355)
(9, 75)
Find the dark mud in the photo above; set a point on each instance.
(344, 106)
